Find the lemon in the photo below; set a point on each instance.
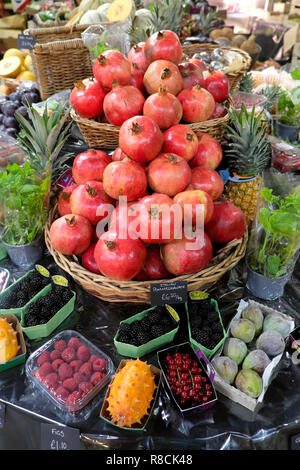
(27, 75)
(28, 62)
(14, 53)
(10, 67)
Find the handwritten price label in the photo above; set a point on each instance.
(59, 437)
(168, 293)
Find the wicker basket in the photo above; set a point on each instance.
(59, 58)
(233, 77)
(50, 24)
(139, 291)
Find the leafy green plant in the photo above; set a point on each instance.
(288, 109)
(24, 203)
(274, 252)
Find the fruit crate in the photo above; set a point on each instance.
(21, 355)
(43, 330)
(138, 351)
(142, 426)
(60, 402)
(230, 391)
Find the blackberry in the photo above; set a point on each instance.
(156, 331)
(213, 317)
(143, 337)
(145, 323)
(136, 327)
(218, 328)
(133, 341)
(197, 322)
(202, 337)
(124, 328)
(123, 338)
(193, 308)
(206, 330)
(154, 316)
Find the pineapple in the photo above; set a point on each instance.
(248, 154)
(207, 21)
(246, 83)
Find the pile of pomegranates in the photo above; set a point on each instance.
(151, 210)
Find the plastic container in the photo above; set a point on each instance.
(25, 255)
(21, 355)
(129, 350)
(4, 277)
(264, 287)
(287, 132)
(41, 331)
(83, 400)
(249, 100)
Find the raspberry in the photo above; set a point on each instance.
(73, 398)
(60, 345)
(96, 377)
(74, 343)
(78, 377)
(61, 392)
(68, 355)
(85, 387)
(86, 369)
(57, 363)
(51, 380)
(70, 384)
(65, 371)
(44, 357)
(99, 365)
(76, 365)
(93, 358)
(45, 369)
(55, 355)
(83, 353)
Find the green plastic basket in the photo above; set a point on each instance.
(41, 331)
(129, 350)
(209, 353)
(21, 356)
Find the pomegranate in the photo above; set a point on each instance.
(122, 103)
(191, 74)
(197, 103)
(137, 78)
(154, 267)
(163, 45)
(219, 111)
(169, 174)
(90, 201)
(88, 259)
(118, 155)
(64, 207)
(227, 223)
(218, 85)
(120, 259)
(209, 153)
(159, 223)
(181, 140)
(89, 165)
(207, 180)
(125, 219)
(196, 204)
(87, 98)
(188, 255)
(71, 234)
(163, 73)
(164, 108)
(140, 138)
(137, 56)
(112, 66)
(125, 178)
(199, 63)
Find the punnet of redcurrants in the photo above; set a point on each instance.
(187, 380)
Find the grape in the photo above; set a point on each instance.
(10, 122)
(14, 97)
(23, 111)
(9, 108)
(1, 118)
(11, 131)
(31, 96)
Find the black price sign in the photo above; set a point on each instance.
(295, 442)
(26, 41)
(2, 414)
(169, 293)
(59, 437)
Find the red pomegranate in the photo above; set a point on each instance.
(227, 223)
(199, 63)
(125, 178)
(197, 103)
(197, 205)
(163, 45)
(140, 138)
(164, 108)
(217, 84)
(137, 56)
(71, 234)
(137, 78)
(168, 174)
(90, 201)
(112, 66)
(125, 219)
(219, 111)
(88, 260)
(163, 73)
(181, 140)
(119, 259)
(209, 153)
(89, 165)
(64, 207)
(87, 98)
(154, 267)
(189, 255)
(122, 103)
(191, 74)
(207, 180)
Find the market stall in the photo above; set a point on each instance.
(149, 205)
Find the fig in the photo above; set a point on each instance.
(271, 342)
(274, 322)
(254, 314)
(249, 382)
(256, 360)
(243, 329)
(236, 349)
(226, 368)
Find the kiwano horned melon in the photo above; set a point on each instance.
(130, 393)
(8, 341)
